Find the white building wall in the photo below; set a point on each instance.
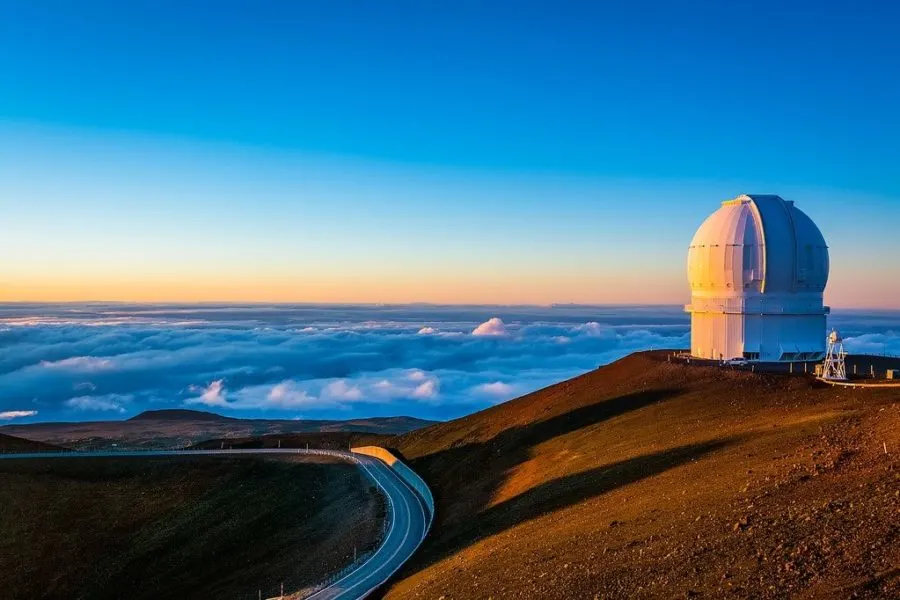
(774, 337)
(717, 335)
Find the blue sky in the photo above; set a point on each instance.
(449, 152)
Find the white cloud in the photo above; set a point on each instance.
(427, 331)
(288, 395)
(401, 384)
(594, 329)
(17, 414)
(79, 363)
(426, 390)
(493, 326)
(105, 403)
(496, 388)
(269, 368)
(874, 343)
(214, 394)
(339, 390)
(416, 375)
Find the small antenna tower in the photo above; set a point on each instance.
(835, 361)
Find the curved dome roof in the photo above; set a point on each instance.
(758, 244)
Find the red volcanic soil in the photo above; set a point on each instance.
(646, 479)
(9, 443)
(180, 527)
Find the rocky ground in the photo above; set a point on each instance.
(646, 479)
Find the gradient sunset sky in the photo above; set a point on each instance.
(477, 152)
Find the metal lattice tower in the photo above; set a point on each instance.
(835, 360)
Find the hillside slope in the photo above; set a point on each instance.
(10, 443)
(180, 527)
(650, 479)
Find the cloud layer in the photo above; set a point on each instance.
(8, 415)
(79, 362)
(493, 326)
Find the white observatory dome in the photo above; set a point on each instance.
(758, 267)
(760, 244)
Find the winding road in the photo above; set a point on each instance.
(408, 515)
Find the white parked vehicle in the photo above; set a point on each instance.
(737, 362)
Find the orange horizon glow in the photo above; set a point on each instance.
(373, 290)
(396, 290)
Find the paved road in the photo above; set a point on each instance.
(407, 513)
(406, 531)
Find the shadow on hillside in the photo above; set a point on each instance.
(465, 478)
(451, 472)
(564, 492)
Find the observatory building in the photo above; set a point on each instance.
(758, 268)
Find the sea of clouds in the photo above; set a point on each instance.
(101, 361)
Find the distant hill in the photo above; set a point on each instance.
(9, 443)
(179, 414)
(177, 428)
(647, 479)
(326, 440)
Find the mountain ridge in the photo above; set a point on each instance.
(179, 414)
